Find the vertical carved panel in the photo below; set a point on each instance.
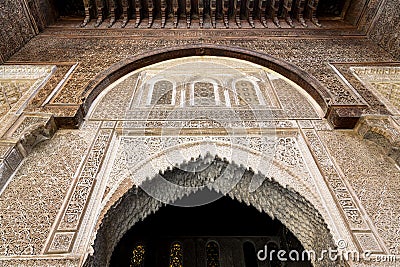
(246, 93)
(162, 93)
(225, 11)
(163, 13)
(204, 94)
(113, 10)
(201, 13)
(175, 6)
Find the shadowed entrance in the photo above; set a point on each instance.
(222, 233)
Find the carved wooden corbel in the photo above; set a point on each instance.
(138, 9)
(163, 13)
(100, 12)
(262, 6)
(125, 13)
(299, 10)
(113, 10)
(312, 11)
(213, 11)
(237, 4)
(150, 6)
(250, 11)
(274, 8)
(225, 11)
(188, 11)
(88, 7)
(287, 8)
(201, 13)
(175, 6)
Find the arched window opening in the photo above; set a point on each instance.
(246, 93)
(138, 256)
(162, 93)
(250, 256)
(212, 253)
(176, 255)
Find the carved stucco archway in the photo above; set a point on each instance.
(309, 83)
(284, 204)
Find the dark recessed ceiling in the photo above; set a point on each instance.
(327, 8)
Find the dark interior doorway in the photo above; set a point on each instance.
(222, 233)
